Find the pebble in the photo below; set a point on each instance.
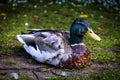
(51, 3)
(116, 18)
(45, 11)
(26, 24)
(41, 1)
(92, 15)
(14, 4)
(14, 75)
(63, 74)
(59, 2)
(24, 15)
(59, 73)
(101, 16)
(35, 6)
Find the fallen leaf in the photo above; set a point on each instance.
(83, 16)
(3, 14)
(100, 29)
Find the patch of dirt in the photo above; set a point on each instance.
(24, 65)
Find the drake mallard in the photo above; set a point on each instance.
(60, 48)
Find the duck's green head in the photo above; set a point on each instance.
(78, 29)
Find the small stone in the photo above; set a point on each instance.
(35, 6)
(101, 16)
(24, 15)
(45, 11)
(63, 1)
(116, 18)
(63, 74)
(46, 78)
(51, 3)
(41, 1)
(14, 4)
(92, 15)
(14, 75)
(82, 12)
(85, 4)
(59, 73)
(55, 11)
(59, 2)
(4, 18)
(100, 8)
(73, 4)
(26, 24)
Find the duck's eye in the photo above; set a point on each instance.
(81, 32)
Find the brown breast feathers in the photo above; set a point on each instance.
(79, 58)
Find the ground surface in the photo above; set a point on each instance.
(105, 55)
(24, 65)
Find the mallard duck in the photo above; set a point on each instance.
(60, 48)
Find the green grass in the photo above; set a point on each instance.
(10, 63)
(107, 74)
(103, 57)
(60, 17)
(68, 78)
(22, 78)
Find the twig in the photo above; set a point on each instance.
(35, 75)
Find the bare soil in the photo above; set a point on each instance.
(25, 65)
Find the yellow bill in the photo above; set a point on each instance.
(93, 35)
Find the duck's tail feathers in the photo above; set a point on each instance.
(26, 38)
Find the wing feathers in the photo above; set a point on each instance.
(26, 39)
